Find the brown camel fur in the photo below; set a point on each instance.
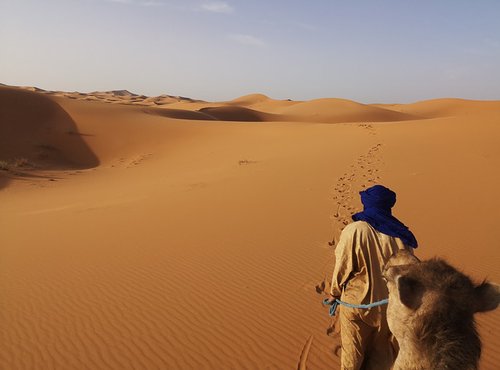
(431, 313)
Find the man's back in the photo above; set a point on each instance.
(361, 255)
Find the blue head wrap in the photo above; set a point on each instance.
(378, 201)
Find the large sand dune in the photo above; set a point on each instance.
(341, 110)
(437, 108)
(34, 127)
(179, 236)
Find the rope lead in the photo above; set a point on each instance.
(334, 304)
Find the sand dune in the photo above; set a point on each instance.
(259, 108)
(177, 238)
(263, 103)
(166, 99)
(238, 113)
(341, 110)
(124, 93)
(249, 100)
(445, 107)
(181, 114)
(36, 131)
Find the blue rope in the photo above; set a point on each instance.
(334, 304)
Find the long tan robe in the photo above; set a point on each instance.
(361, 255)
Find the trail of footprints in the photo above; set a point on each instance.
(36, 180)
(362, 174)
(139, 159)
(123, 162)
(369, 127)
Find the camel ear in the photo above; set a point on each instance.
(406, 257)
(486, 297)
(410, 292)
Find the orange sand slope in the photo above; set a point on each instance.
(170, 233)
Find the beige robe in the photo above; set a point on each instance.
(361, 255)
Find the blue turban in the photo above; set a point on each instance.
(378, 201)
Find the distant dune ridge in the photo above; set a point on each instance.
(261, 108)
(173, 233)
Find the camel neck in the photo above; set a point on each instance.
(408, 359)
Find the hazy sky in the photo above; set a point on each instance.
(369, 51)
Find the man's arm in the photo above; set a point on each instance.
(343, 262)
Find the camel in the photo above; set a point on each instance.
(431, 313)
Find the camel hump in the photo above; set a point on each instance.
(486, 297)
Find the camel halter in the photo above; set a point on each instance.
(334, 304)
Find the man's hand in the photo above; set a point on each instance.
(330, 298)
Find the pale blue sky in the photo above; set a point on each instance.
(369, 51)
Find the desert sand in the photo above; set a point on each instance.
(171, 233)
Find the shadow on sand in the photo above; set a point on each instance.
(37, 134)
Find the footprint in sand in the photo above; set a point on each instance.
(347, 186)
(138, 160)
(302, 365)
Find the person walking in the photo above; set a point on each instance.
(364, 248)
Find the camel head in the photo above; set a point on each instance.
(413, 283)
(430, 301)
